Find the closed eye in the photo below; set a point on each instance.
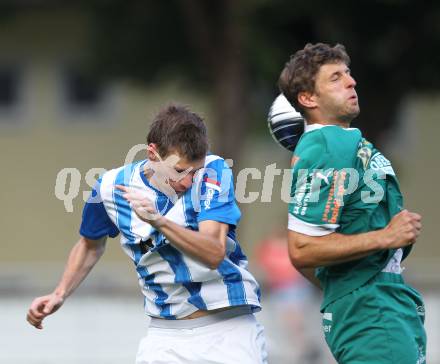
(337, 75)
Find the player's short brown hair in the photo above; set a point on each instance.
(299, 74)
(177, 129)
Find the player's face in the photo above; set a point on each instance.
(173, 170)
(335, 93)
(185, 174)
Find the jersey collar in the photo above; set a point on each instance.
(315, 126)
(312, 127)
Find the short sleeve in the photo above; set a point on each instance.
(318, 192)
(95, 222)
(217, 198)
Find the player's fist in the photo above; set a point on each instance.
(42, 307)
(403, 229)
(142, 204)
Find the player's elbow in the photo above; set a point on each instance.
(300, 260)
(217, 257)
(214, 264)
(94, 247)
(215, 261)
(299, 253)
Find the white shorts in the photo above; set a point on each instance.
(221, 338)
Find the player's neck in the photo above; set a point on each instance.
(324, 122)
(316, 117)
(327, 121)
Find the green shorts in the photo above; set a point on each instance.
(380, 322)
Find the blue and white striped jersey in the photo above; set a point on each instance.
(175, 285)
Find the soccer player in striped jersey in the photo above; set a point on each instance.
(177, 216)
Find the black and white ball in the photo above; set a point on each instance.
(286, 125)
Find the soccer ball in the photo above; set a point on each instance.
(286, 125)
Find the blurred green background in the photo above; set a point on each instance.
(80, 83)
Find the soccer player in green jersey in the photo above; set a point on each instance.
(348, 230)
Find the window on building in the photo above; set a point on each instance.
(82, 89)
(84, 96)
(8, 87)
(10, 94)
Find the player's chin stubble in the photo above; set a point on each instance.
(351, 114)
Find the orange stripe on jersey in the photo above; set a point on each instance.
(210, 180)
(330, 200)
(340, 190)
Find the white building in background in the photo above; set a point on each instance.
(54, 116)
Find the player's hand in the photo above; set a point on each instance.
(42, 307)
(142, 205)
(403, 229)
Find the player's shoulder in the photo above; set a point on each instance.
(312, 145)
(215, 162)
(217, 172)
(119, 175)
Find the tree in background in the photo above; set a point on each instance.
(234, 50)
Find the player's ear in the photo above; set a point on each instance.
(307, 99)
(152, 153)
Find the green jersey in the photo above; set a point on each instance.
(341, 183)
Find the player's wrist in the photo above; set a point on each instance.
(159, 222)
(60, 293)
(382, 239)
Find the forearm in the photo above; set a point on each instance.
(82, 258)
(311, 251)
(309, 274)
(207, 248)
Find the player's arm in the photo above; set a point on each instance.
(307, 251)
(208, 245)
(82, 258)
(96, 226)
